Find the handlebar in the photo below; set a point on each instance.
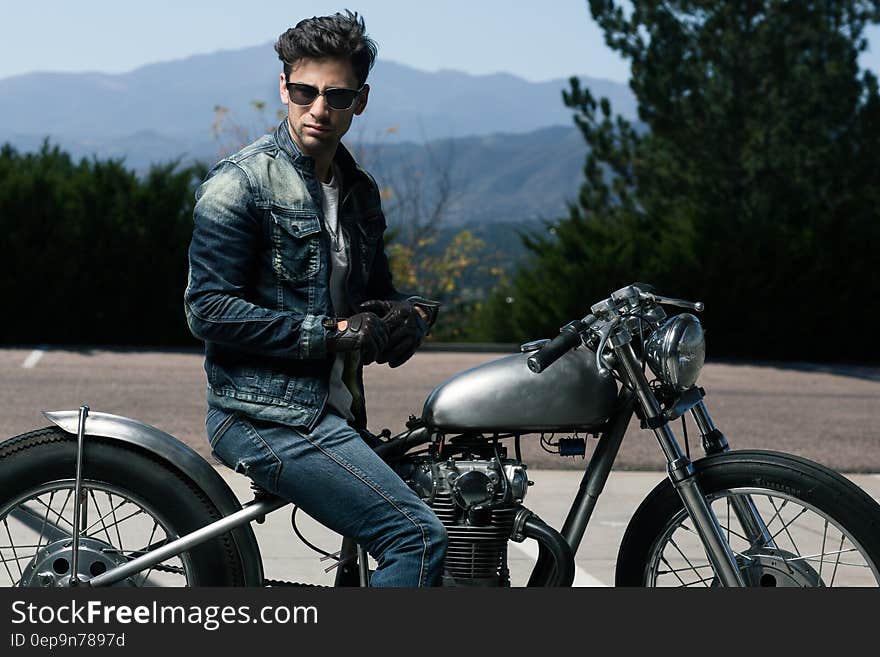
(609, 310)
(569, 337)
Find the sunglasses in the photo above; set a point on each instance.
(337, 98)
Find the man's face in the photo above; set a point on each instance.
(316, 128)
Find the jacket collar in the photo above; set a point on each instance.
(350, 169)
(286, 143)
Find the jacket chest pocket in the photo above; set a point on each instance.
(296, 244)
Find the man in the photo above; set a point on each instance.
(288, 278)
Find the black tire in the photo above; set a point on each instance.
(45, 460)
(797, 482)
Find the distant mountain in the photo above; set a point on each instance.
(508, 144)
(168, 108)
(492, 179)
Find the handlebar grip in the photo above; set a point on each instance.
(569, 337)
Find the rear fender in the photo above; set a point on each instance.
(177, 456)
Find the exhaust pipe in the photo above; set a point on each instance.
(555, 565)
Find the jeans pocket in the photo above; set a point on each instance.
(216, 424)
(238, 445)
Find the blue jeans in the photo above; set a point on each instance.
(336, 478)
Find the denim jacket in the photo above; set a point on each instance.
(259, 272)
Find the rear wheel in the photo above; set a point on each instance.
(131, 503)
(824, 530)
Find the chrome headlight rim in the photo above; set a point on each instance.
(663, 351)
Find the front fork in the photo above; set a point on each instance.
(680, 469)
(744, 508)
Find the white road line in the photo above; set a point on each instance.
(581, 576)
(33, 358)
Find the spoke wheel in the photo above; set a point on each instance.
(131, 502)
(116, 526)
(821, 529)
(809, 548)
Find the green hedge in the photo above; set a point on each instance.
(93, 253)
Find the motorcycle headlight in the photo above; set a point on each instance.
(676, 351)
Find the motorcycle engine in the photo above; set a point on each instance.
(476, 497)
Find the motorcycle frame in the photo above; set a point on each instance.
(352, 558)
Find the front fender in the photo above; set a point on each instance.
(180, 457)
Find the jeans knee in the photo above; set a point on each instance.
(436, 535)
(426, 532)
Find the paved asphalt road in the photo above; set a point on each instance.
(830, 415)
(285, 557)
(826, 414)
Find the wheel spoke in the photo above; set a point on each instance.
(822, 555)
(116, 525)
(14, 553)
(31, 518)
(845, 563)
(101, 516)
(118, 522)
(837, 561)
(786, 525)
(15, 559)
(724, 527)
(45, 520)
(675, 545)
(6, 565)
(149, 541)
(59, 515)
(778, 511)
(737, 534)
(727, 499)
(89, 528)
(681, 570)
(672, 570)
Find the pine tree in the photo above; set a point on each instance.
(750, 181)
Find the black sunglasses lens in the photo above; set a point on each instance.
(302, 94)
(340, 99)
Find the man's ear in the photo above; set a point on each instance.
(282, 88)
(361, 103)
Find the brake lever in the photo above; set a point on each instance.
(697, 306)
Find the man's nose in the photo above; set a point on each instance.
(319, 107)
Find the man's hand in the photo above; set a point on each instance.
(363, 332)
(407, 322)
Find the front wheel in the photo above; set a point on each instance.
(821, 529)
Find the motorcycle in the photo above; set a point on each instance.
(103, 500)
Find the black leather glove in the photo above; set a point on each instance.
(365, 332)
(406, 328)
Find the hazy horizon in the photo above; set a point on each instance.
(537, 43)
(534, 42)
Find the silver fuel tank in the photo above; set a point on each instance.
(504, 395)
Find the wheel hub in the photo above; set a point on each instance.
(774, 567)
(51, 564)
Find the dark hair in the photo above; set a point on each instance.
(320, 37)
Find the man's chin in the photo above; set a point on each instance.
(319, 141)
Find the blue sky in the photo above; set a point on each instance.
(535, 40)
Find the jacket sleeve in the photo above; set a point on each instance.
(222, 258)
